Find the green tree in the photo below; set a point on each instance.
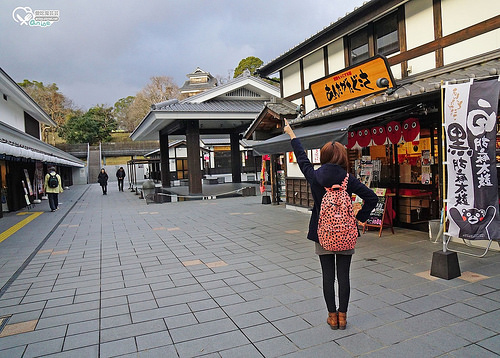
(91, 127)
(250, 63)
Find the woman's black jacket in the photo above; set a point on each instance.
(326, 176)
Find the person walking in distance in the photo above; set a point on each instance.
(52, 187)
(120, 175)
(333, 176)
(102, 179)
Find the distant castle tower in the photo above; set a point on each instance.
(199, 81)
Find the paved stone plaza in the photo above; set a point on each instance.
(109, 276)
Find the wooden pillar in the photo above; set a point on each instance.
(235, 158)
(193, 153)
(164, 161)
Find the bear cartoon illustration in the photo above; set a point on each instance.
(473, 223)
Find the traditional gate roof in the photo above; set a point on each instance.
(223, 109)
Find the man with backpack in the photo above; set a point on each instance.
(52, 187)
(333, 224)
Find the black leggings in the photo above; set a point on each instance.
(328, 269)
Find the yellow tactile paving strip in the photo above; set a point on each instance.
(32, 216)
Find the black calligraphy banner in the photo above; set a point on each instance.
(470, 111)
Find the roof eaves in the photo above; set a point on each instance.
(33, 107)
(344, 25)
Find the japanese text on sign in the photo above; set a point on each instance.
(353, 82)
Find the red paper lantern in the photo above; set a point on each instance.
(364, 137)
(352, 139)
(394, 132)
(379, 135)
(411, 130)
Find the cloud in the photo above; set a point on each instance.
(101, 51)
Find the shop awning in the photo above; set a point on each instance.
(18, 144)
(315, 136)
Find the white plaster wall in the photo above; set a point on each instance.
(419, 23)
(472, 47)
(309, 104)
(291, 79)
(11, 113)
(336, 61)
(422, 63)
(419, 30)
(459, 14)
(314, 67)
(396, 71)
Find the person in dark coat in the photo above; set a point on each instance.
(333, 170)
(120, 175)
(102, 179)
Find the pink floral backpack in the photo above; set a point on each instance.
(337, 225)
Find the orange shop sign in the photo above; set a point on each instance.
(356, 81)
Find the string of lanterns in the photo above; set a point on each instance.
(392, 133)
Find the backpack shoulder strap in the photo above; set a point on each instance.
(344, 182)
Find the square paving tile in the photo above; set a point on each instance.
(17, 328)
(192, 263)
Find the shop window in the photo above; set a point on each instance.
(380, 37)
(386, 35)
(358, 46)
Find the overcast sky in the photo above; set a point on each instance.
(100, 51)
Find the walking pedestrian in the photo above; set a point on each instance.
(103, 180)
(52, 187)
(120, 175)
(333, 170)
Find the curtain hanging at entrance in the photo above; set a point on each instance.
(470, 111)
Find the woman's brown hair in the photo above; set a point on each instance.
(335, 153)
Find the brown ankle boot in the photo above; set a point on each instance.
(332, 320)
(342, 320)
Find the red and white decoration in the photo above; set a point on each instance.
(392, 133)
